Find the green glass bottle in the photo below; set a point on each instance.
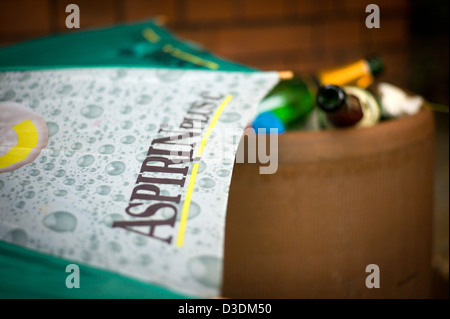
(289, 102)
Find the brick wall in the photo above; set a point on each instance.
(299, 35)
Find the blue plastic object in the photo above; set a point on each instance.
(268, 120)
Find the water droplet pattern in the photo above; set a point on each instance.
(101, 122)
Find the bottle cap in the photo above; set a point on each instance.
(267, 120)
(330, 97)
(375, 64)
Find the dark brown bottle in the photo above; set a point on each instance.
(347, 106)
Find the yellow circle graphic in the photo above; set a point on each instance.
(23, 134)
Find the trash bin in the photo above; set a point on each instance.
(340, 200)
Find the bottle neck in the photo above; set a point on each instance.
(347, 106)
(340, 108)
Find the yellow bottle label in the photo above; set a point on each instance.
(365, 81)
(370, 107)
(357, 73)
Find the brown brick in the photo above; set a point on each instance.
(198, 36)
(306, 8)
(388, 5)
(92, 13)
(366, 35)
(239, 41)
(22, 16)
(9, 39)
(391, 31)
(397, 5)
(355, 5)
(263, 62)
(397, 67)
(341, 34)
(306, 65)
(199, 11)
(203, 37)
(271, 65)
(142, 9)
(347, 55)
(333, 57)
(257, 9)
(364, 47)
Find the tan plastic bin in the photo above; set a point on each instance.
(340, 200)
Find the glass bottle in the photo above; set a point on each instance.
(347, 106)
(291, 101)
